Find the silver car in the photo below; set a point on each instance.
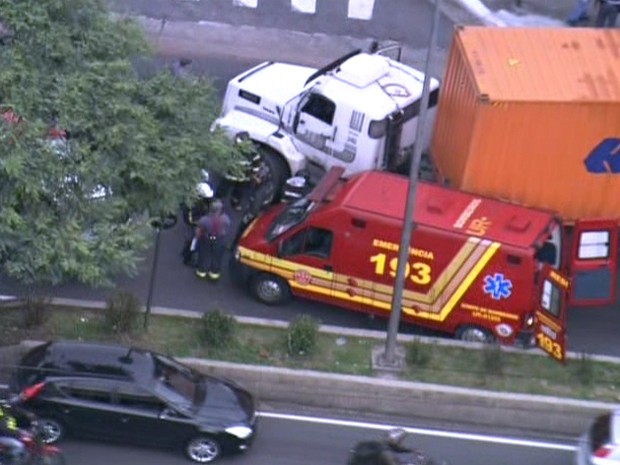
(600, 444)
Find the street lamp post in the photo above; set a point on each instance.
(166, 222)
(405, 241)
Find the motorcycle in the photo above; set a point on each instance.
(389, 451)
(32, 436)
(37, 451)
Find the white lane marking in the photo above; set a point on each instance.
(246, 3)
(304, 6)
(422, 431)
(360, 9)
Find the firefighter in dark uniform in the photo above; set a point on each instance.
(212, 233)
(241, 184)
(200, 206)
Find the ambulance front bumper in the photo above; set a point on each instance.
(525, 339)
(240, 271)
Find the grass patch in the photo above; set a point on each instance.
(488, 369)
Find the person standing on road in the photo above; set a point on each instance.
(211, 235)
(608, 11)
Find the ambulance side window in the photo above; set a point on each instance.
(319, 242)
(311, 241)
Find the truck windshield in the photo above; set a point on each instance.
(294, 214)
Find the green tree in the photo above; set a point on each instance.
(78, 208)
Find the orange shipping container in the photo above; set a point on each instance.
(532, 115)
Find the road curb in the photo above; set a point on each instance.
(415, 401)
(327, 329)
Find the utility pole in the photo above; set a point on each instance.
(405, 241)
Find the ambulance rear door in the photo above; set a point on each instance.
(550, 325)
(593, 264)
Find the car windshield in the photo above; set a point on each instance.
(291, 216)
(179, 384)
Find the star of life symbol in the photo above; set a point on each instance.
(497, 286)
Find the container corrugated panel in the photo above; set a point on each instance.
(520, 111)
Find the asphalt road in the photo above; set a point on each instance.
(322, 441)
(407, 21)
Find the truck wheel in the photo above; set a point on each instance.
(278, 173)
(470, 333)
(270, 289)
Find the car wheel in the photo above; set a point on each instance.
(203, 449)
(51, 430)
(270, 289)
(474, 334)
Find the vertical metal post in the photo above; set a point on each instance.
(405, 241)
(149, 299)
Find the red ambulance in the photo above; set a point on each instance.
(478, 268)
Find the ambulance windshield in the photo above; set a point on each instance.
(294, 214)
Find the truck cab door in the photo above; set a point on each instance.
(593, 264)
(313, 128)
(308, 255)
(550, 314)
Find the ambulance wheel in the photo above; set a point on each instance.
(472, 333)
(278, 173)
(270, 289)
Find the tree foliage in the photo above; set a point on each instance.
(77, 208)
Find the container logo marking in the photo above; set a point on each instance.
(497, 286)
(605, 157)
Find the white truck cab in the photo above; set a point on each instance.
(360, 112)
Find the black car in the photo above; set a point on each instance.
(117, 393)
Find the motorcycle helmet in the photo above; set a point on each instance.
(395, 437)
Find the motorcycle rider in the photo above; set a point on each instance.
(385, 452)
(394, 440)
(10, 437)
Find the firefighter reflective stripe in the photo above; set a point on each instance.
(434, 304)
(11, 423)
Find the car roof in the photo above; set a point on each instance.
(72, 358)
